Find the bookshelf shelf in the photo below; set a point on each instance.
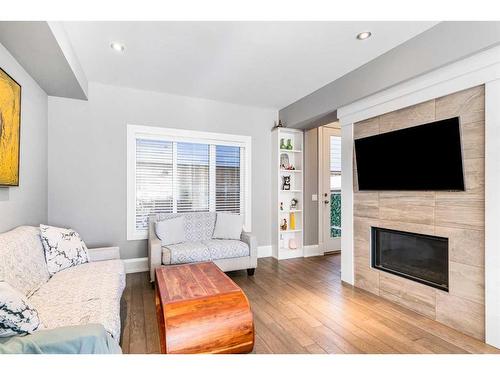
(285, 241)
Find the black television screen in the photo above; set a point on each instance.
(424, 157)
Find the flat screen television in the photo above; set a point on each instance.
(424, 157)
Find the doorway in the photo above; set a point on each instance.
(330, 176)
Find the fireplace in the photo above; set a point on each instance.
(417, 257)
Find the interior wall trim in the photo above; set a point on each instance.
(134, 265)
(469, 72)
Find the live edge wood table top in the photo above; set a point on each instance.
(201, 310)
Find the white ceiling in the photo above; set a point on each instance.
(267, 64)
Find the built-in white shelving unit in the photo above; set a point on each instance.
(282, 198)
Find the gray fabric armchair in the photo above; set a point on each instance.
(228, 255)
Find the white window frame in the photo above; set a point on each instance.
(182, 135)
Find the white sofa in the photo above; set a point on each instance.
(81, 295)
(228, 255)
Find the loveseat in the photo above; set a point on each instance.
(85, 295)
(228, 255)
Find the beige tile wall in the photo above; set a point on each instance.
(458, 216)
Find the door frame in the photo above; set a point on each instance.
(321, 206)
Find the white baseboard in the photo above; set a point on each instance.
(312, 251)
(264, 251)
(289, 254)
(136, 265)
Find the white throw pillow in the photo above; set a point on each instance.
(63, 248)
(171, 231)
(228, 226)
(17, 316)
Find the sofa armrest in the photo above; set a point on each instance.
(104, 253)
(251, 241)
(154, 251)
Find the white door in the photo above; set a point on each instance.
(330, 189)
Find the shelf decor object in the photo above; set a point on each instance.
(286, 183)
(282, 144)
(292, 220)
(284, 161)
(287, 193)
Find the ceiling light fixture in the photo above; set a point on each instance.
(118, 47)
(363, 35)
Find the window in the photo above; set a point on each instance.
(171, 170)
(335, 163)
(335, 186)
(228, 179)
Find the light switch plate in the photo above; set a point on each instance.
(314, 197)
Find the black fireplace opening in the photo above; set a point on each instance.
(417, 257)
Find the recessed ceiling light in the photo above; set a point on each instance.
(119, 47)
(363, 35)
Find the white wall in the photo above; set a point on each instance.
(492, 212)
(311, 187)
(87, 156)
(27, 204)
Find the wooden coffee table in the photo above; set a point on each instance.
(201, 310)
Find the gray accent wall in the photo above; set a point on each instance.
(88, 166)
(45, 52)
(441, 45)
(26, 204)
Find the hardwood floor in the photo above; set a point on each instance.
(301, 306)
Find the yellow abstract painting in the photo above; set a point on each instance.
(10, 121)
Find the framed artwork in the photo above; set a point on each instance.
(10, 127)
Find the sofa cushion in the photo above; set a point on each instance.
(198, 226)
(224, 249)
(187, 252)
(171, 231)
(88, 293)
(228, 226)
(63, 248)
(17, 315)
(22, 260)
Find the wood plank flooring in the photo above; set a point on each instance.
(301, 306)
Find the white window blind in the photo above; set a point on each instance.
(179, 175)
(335, 154)
(192, 179)
(228, 179)
(335, 163)
(153, 179)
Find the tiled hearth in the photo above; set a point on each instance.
(457, 216)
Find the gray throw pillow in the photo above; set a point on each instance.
(17, 316)
(171, 231)
(228, 226)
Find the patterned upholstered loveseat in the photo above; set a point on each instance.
(228, 255)
(86, 294)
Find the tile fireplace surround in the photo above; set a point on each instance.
(458, 216)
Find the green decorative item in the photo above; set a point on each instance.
(289, 144)
(282, 144)
(335, 217)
